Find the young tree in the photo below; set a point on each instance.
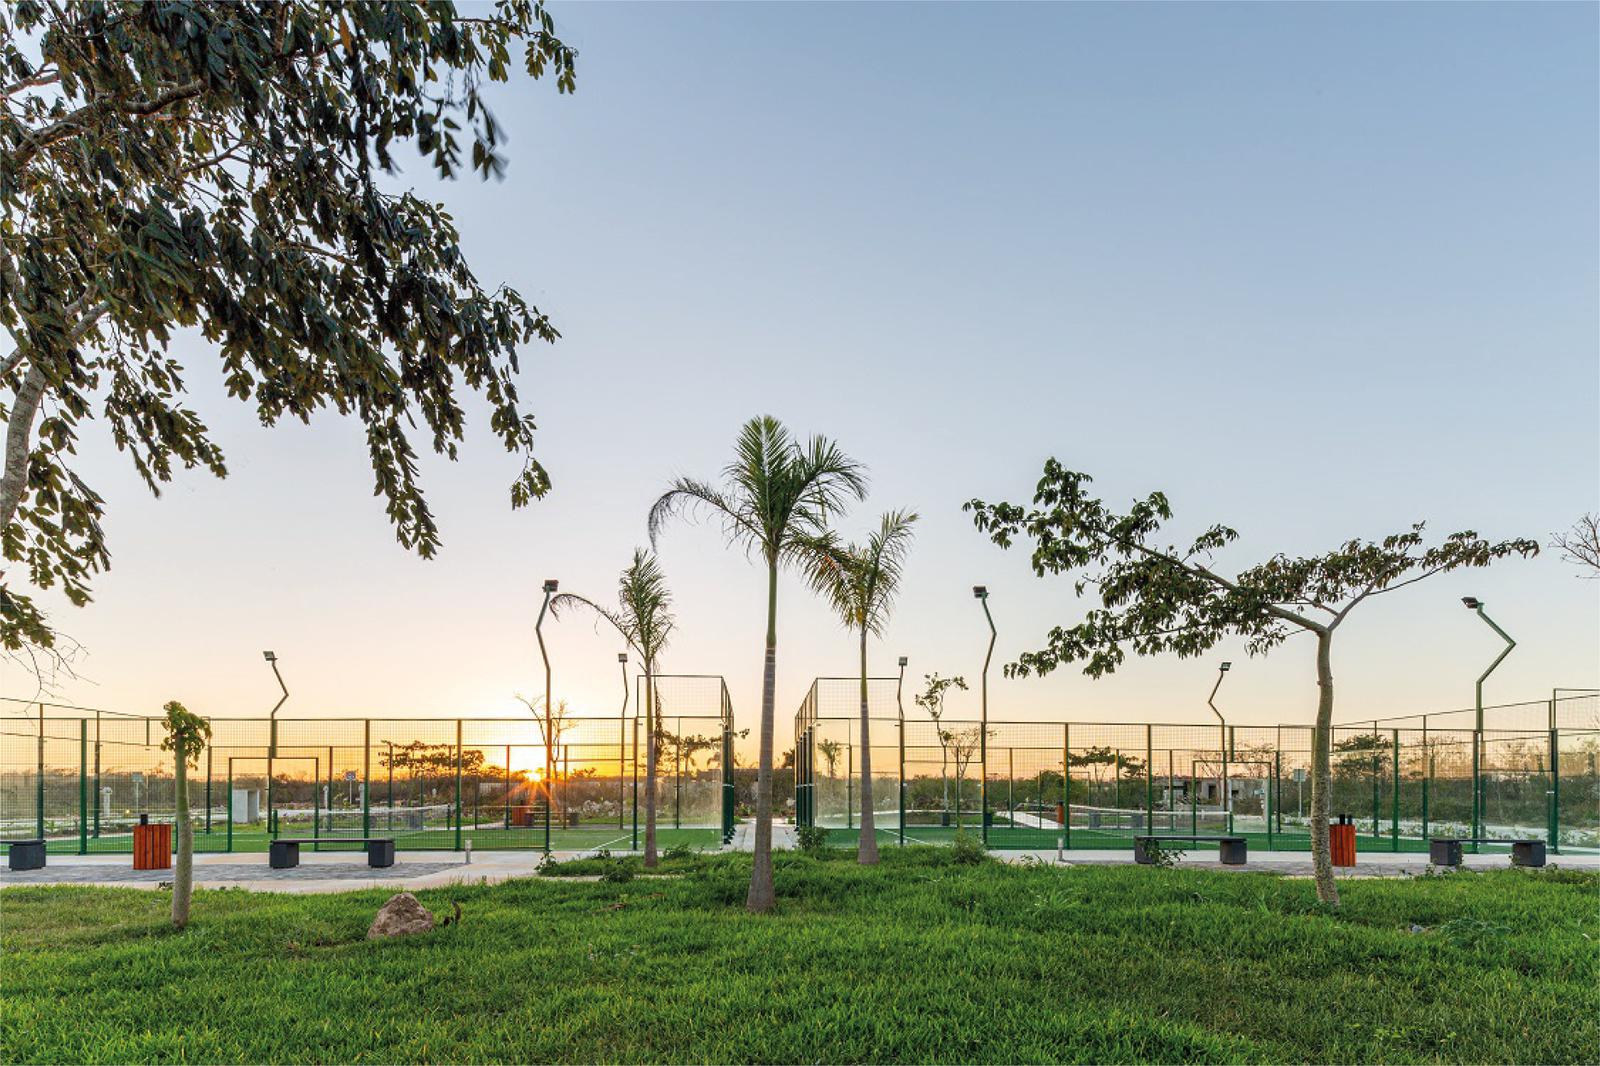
(860, 583)
(963, 746)
(1580, 545)
(1158, 598)
(187, 735)
(222, 168)
(931, 699)
(643, 618)
(830, 749)
(779, 496)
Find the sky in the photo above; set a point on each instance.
(1314, 271)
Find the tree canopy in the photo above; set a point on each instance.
(1157, 598)
(220, 168)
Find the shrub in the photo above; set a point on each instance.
(967, 849)
(617, 872)
(677, 853)
(811, 838)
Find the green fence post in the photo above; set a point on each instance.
(1394, 804)
(39, 780)
(1149, 781)
(1555, 787)
(83, 786)
(208, 789)
(1477, 744)
(635, 779)
(229, 821)
(97, 775)
(1375, 770)
(458, 784)
(316, 802)
(1066, 785)
(366, 777)
(1277, 786)
(902, 778)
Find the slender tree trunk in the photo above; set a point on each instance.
(867, 850)
(652, 749)
(1321, 855)
(183, 875)
(761, 897)
(19, 444)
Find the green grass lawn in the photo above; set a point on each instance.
(920, 959)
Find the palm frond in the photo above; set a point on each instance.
(688, 498)
(570, 601)
(883, 562)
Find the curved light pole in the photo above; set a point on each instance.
(272, 744)
(622, 743)
(550, 587)
(1472, 603)
(900, 709)
(1222, 672)
(982, 594)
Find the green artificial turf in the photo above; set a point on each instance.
(919, 959)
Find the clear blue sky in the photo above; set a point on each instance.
(1317, 271)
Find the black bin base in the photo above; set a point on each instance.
(380, 853)
(283, 855)
(29, 855)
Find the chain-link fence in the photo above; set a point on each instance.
(82, 779)
(1531, 773)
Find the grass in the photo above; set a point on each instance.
(918, 960)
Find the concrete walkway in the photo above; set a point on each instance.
(346, 871)
(744, 836)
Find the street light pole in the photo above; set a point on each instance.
(900, 708)
(1472, 603)
(550, 587)
(982, 594)
(1222, 671)
(622, 743)
(272, 743)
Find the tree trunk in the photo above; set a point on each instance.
(1321, 778)
(867, 850)
(19, 444)
(762, 898)
(183, 875)
(652, 746)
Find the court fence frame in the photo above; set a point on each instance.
(1057, 785)
(80, 778)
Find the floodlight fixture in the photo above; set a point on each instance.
(551, 584)
(1472, 603)
(981, 591)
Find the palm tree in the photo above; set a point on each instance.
(644, 619)
(860, 582)
(779, 495)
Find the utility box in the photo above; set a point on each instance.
(246, 806)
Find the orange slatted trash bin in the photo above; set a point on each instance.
(152, 847)
(1342, 842)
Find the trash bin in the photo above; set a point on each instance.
(152, 846)
(1342, 841)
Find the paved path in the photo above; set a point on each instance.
(744, 836)
(328, 872)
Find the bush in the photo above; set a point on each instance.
(967, 849)
(812, 839)
(677, 853)
(617, 872)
